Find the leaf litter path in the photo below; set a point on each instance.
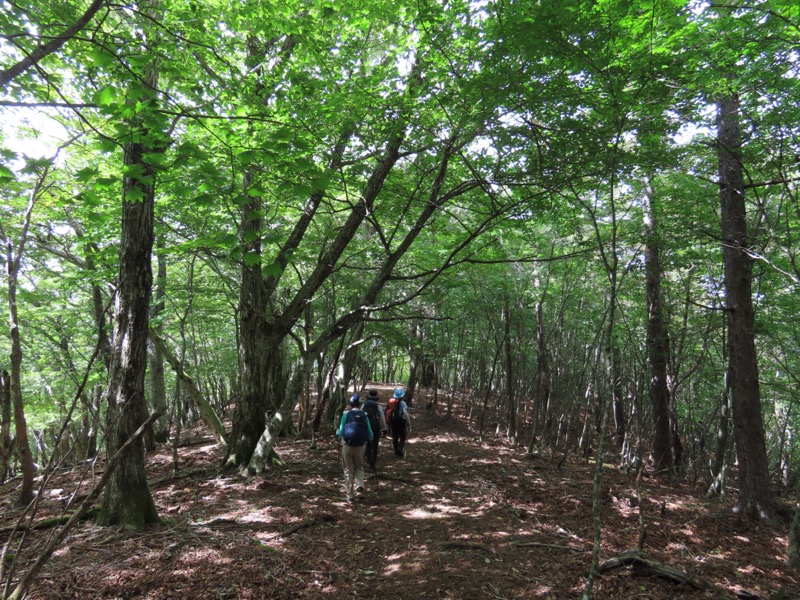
(459, 518)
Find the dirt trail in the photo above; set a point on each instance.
(458, 518)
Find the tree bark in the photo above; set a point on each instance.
(207, 412)
(509, 359)
(657, 341)
(618, 395)
(5, 424)
(158, 389)
(755, 496)
(51, 46)
(127, 500)
(543, 377)
(13, 261)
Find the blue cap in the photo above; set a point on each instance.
(355, 400)
(398, 393)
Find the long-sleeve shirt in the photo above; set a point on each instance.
(340, 431)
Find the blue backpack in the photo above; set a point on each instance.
(355, 432)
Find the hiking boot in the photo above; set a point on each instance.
(359, 492)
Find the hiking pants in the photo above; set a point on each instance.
(372, 452)
(399, 438)
(353, 462)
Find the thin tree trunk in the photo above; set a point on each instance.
(543, 390)
(617, 390)
(207, 412)
(158, 390)
(718, 465)
(510, 395)
(5, 424)
(13, 262)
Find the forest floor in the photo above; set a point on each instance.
(458, 518)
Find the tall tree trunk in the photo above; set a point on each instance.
(719, 463)
(13, 262)
(249, 417)
(618, 395)
(512, 398)
(127, 500)
(542, 402)
(755, 496)
(657, 341)
(5, 424)
(158, 390)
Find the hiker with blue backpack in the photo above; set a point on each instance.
(355, 431)
(399, 421)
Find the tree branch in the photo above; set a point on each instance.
(41, 51)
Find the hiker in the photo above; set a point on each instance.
(399, 421)
(377, 420)
(355, 431)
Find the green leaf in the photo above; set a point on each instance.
(252, 258)
(247, 157)
(256, 191)
(106, 96)
(203, 200)
(272, 270)
(134, 195)
(134, 171)
(86, 174)
(106, 145)
(101, 58)
(6, 174)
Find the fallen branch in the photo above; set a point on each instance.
(43, 524)
(556, 546)
(469, 546)
(302, 525)
(22, 588)
(642, 565)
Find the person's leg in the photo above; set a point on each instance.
(401, 440)
(395, 439)
(348, 460)
(358, 470)
(368, 455)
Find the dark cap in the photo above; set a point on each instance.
(373, 394)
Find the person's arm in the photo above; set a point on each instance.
(369, 428)
(340, 431)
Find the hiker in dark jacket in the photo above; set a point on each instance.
(399, 421)
(355, 431)
(377, 421)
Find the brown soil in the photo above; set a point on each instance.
(458, 518)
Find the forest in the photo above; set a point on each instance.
(565, 228)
